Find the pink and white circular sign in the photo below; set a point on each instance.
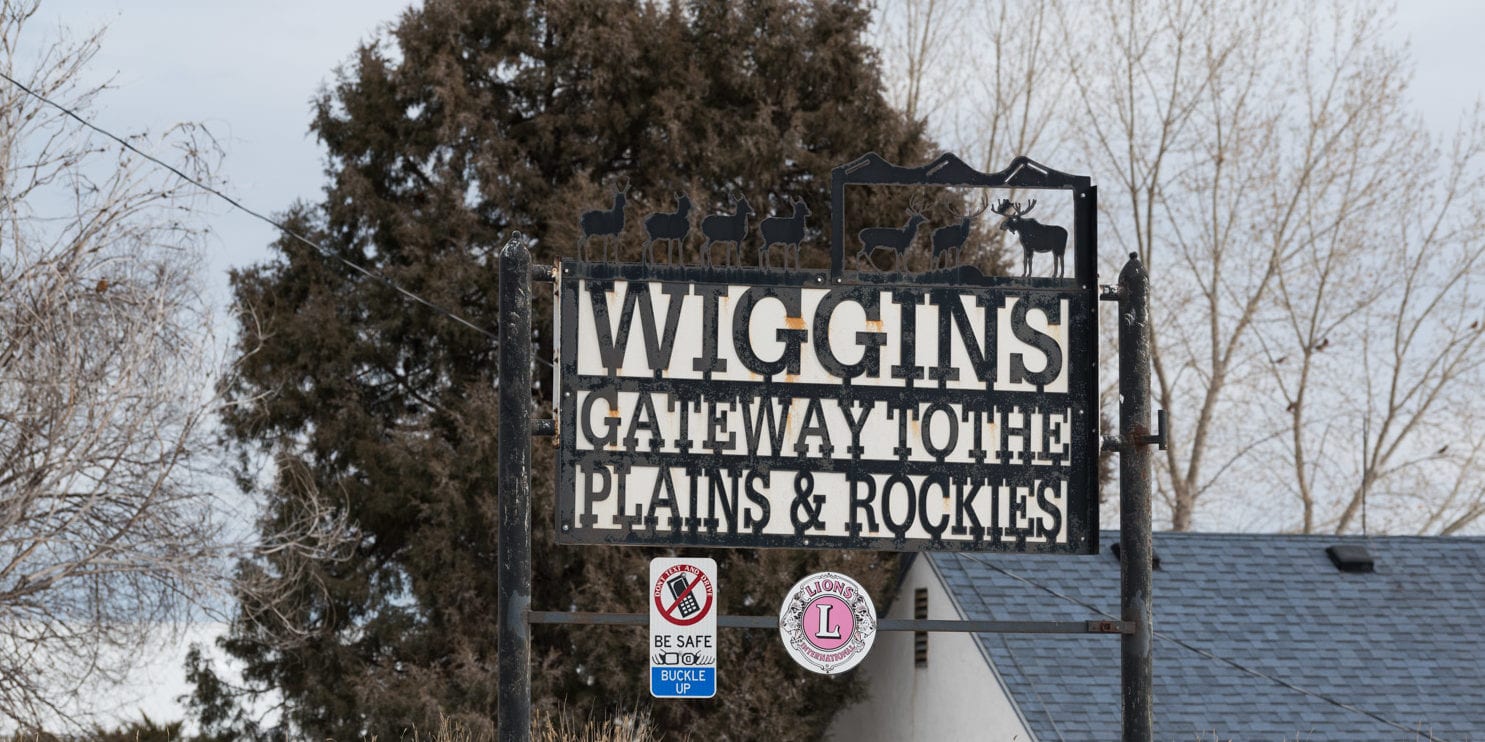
(828, 623)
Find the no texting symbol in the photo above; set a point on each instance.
(684, 595)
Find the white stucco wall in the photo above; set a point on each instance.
(956, 697)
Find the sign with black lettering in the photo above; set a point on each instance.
(782, 410)
(872, 409)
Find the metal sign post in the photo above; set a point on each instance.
(1136, 605)
(514, 550)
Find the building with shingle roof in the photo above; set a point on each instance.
(1258, 637)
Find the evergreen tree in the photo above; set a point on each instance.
(470, 119)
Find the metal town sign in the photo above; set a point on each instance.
(729, 406)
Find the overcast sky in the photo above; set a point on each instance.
(248, 70)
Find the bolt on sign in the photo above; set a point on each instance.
(721, 405)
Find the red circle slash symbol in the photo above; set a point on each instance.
(683, 609)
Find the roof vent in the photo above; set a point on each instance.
(1154, 555)
(1351, 558)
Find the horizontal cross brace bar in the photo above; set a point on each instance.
(885, 624)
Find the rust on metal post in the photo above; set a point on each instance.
(1136, 566)
(513, 572)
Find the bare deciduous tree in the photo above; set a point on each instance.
(1317, 309)
(921, 38)
(1380, 328)
(106, 363)
(1256, 154)
(987, 75)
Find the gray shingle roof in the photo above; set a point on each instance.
(1406, 643)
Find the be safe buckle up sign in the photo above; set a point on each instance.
(683, 628)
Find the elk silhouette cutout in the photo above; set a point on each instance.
(669, 227)
(948, 242)
(728, 229)
(1035, 237)
(783, 230)
(899, 239)
(604, 223)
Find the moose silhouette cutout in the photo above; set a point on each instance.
(898, 239)
(672, 228)
(787, 231)
(607, 223)
(948, 241)
(1035, 237)
(726, 229)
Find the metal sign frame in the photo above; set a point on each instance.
(989, 479)
(948, 171)
(1064, 495)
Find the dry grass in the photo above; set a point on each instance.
(629, 726)
(632, 726)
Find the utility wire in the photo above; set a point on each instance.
(280, 226)
(1207, 654)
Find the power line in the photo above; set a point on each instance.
(369, 273)
(1207, 654)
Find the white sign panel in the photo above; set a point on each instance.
(824, 415)
(683, 628)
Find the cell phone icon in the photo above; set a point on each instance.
(689, 606)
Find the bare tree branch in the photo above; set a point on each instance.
(1317, 309)
(107, 529)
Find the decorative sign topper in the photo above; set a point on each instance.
(731, 406)
(828, 623)
(683, 628)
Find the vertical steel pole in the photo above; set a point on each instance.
(1136, 603)
(514, 552)
(1085, 267)
(837, 222)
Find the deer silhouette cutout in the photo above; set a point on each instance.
(948, 241)
(726, 229)
(899, 239)
(783, 230)
(1035, 237)
(604, 223)
(670, 228)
